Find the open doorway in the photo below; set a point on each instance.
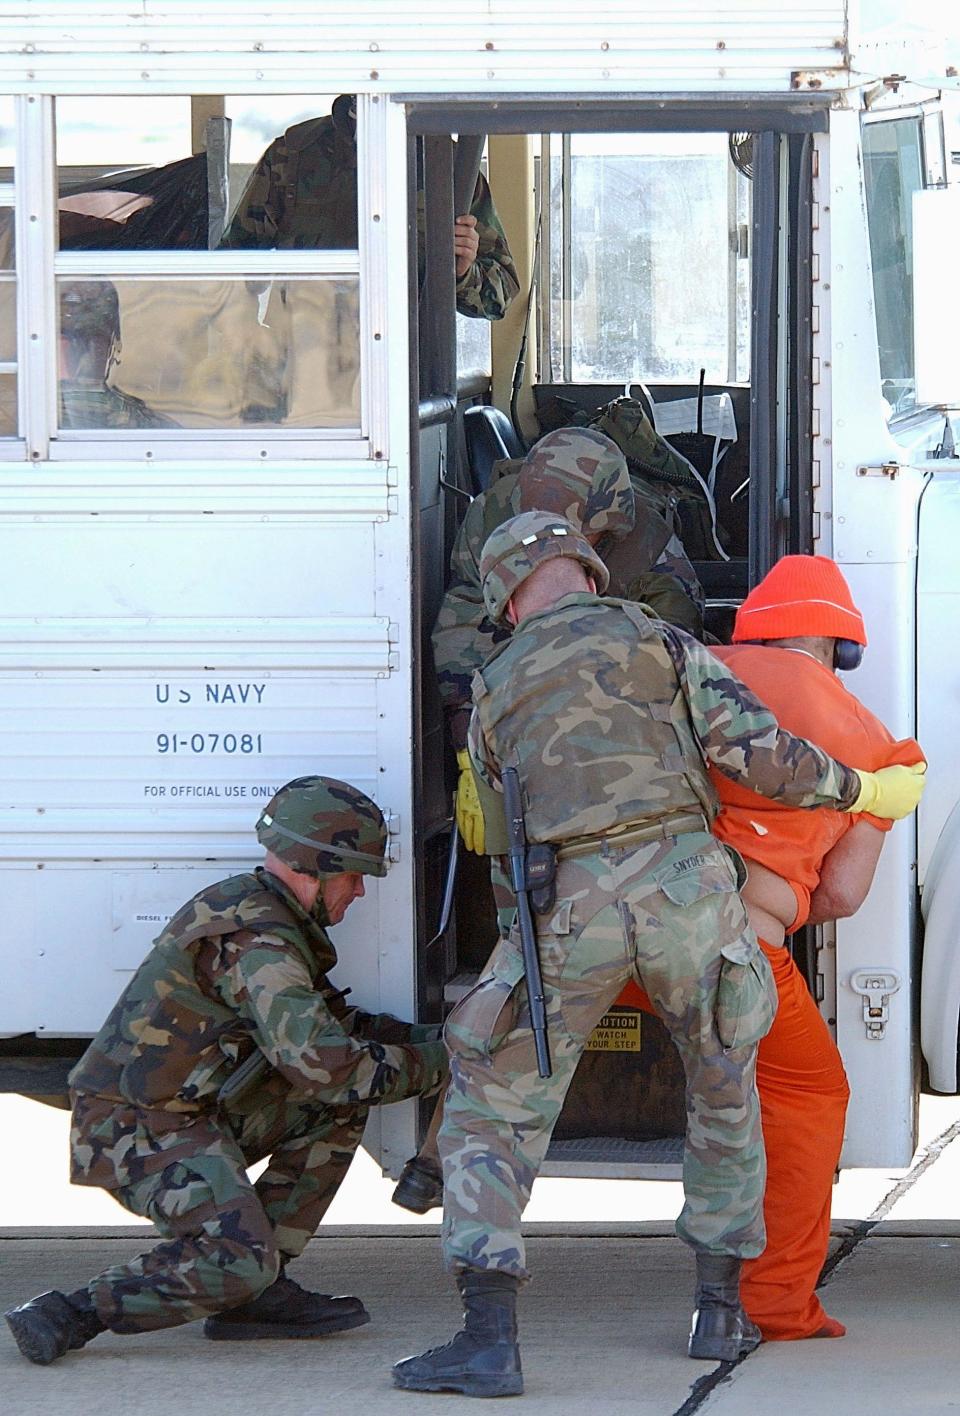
(672, 269)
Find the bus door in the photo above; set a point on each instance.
(674, 268)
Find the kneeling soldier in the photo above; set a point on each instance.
(237, 979)
(608, 716)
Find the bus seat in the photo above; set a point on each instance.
(489, 436)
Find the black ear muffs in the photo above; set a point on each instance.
(847, 655)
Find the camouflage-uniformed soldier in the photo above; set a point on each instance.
(609, 716)
(579, 474)
(239, 973)
(89, 340)
(303, 194)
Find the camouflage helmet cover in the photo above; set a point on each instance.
(322, 827)
(89, 309)
(520, 546)
(581, 475)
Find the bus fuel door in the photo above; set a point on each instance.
(875, 986)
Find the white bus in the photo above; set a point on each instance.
(225, 522)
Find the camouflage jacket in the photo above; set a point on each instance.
(303, 195)
(611, 717)
(84, 405)
(242, 965)
(464, 636)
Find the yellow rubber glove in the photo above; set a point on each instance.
(893, 792)
(469, 814)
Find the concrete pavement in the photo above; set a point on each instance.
(603, 1324)
(898, 1295)
(613, 1337)
(603, 1328)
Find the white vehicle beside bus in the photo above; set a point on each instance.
(223, 549)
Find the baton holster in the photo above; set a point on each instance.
(244, 1078)
(541, 875)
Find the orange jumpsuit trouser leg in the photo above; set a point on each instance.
(803, 1102)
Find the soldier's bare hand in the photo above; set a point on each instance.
(466, 243)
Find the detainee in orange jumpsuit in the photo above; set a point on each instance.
(804, 867)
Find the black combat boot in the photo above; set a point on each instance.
(484, 1359)
(286, 1310)
(721, 1330)
(48, 1326)
(420, 1187)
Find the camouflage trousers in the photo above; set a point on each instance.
(224, 1238)
(669, 914)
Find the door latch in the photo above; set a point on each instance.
(876, 987)
(891, 470)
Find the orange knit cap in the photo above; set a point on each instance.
(801, 595)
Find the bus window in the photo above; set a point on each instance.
(648, 272)
(126, 174)
(224, 353)
(204, 310)
(173, 173)
(473, 348)
(893, 171)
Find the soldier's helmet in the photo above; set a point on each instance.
(89, 309)
(320, 826)
(581, 475)
(520, 546)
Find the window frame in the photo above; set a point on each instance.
(931, 152)
(40, 265)
(556, 345)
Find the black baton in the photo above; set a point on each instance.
(466, 170)
(517, 836)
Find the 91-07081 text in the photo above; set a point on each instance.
(210, 742)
